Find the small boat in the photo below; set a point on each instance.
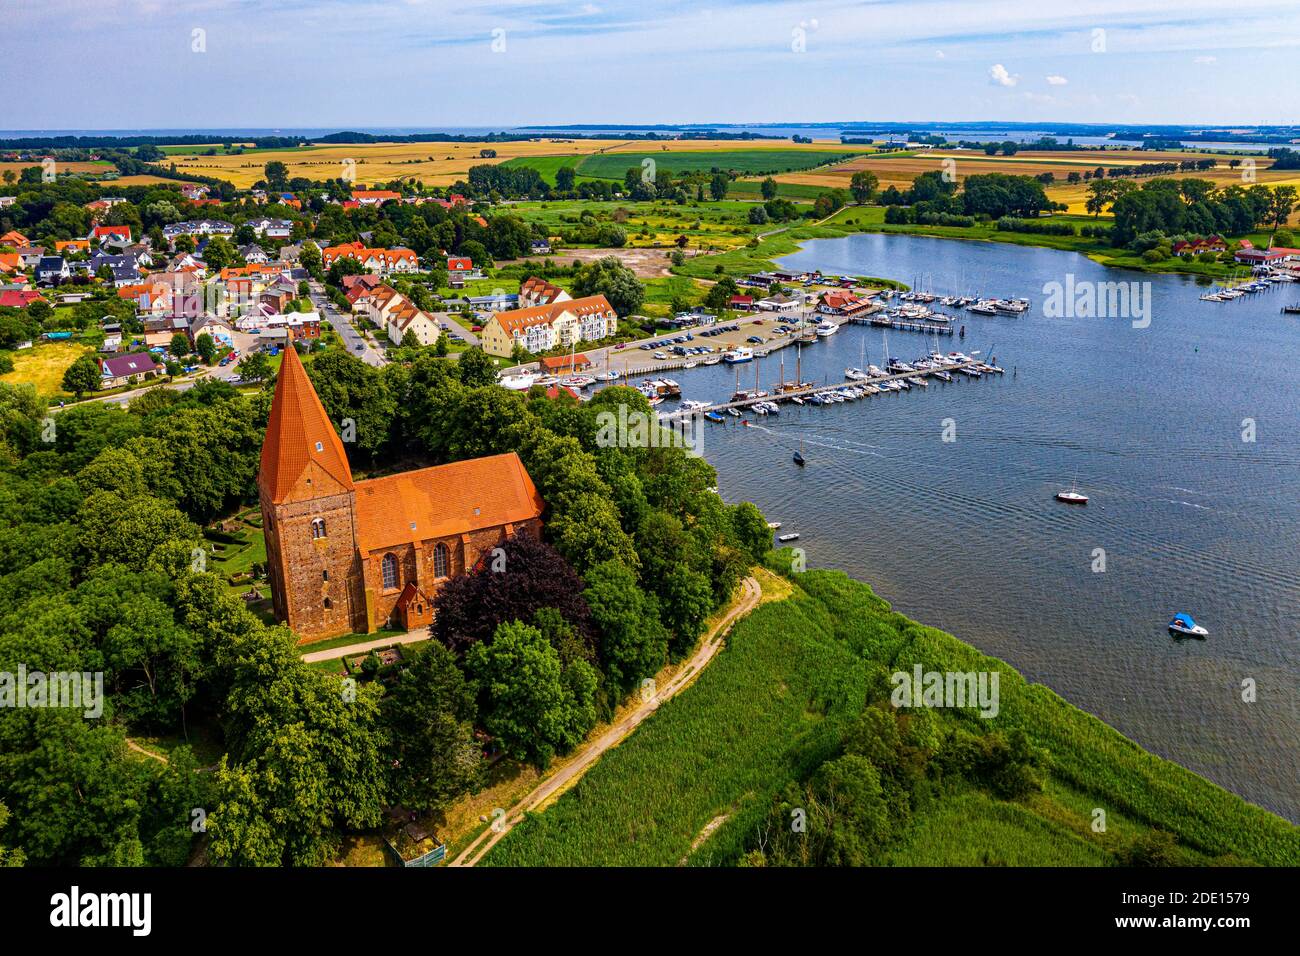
(855, 374)
(825, 329)
(738, 355)
(916, 380)
(1072, 497)
(610, 376)
(796, 399)
(774, 525)
(787, 537)
(714, 417)
(734, 413)
(1183, 624)
(713, 360)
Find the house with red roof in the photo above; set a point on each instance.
(104, 232)
(20, 298)
(374, 197)
(14, 238)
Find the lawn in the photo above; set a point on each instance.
(43, 366)
(772, 707)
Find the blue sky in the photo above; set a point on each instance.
(106, 64)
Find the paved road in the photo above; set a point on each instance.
(356, 343)
(709, 647)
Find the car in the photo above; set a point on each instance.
(758, 321)
(621, 345)
(756, 339)
(660, 355)
(646, 348)
(476, 328)
(361, 346)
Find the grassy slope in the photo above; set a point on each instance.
(770, 709)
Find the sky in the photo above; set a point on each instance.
(175, 64)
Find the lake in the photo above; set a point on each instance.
(1185, 434)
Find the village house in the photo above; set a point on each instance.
(374, 197)
(159, 331)
(51, 271)
(104, 232)
(348, 556)
(542, 327)
(126, 369)
(30, 255)
(14, 238)
(841, 302)
(220, 330)
(378, 261)
(393, 312)
(1198, 245)
(197, 227)
(535, 291)
(19, 298)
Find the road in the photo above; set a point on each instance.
(558, 781)
(356, 343)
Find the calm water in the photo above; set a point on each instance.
(965, 535)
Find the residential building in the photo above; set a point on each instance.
(126, 369)
(542, 327)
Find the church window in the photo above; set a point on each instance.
(440, 561)
(318, 527)
(389, 568)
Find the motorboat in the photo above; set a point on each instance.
(825, 329)
(792, 536)
(714, 417)
(1072, 497)
(855, 374)
(518, 383)
(1183, 624)
(738, 355)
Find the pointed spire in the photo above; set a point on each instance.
(302, 455)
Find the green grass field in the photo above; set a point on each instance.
(751, 162)
(771, 708)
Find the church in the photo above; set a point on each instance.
(348, 556)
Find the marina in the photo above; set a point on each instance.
(1189, 515)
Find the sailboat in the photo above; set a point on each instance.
(1073, 496)
(798, 455)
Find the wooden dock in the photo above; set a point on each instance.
(929, 327)
(817, 390)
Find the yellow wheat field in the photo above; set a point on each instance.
(436, 164)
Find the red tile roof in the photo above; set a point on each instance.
(444, 500)
(301, 444)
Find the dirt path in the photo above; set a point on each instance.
(557, 782)
(331, 653)
(148, 753)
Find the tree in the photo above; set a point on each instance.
(768, 188)
(310, 259)
(511, 584)
(615, 281)
(180, 345)
(718, 186)
(751, 530)
(719, 295)
(82, 376)
(277, 175)
(633, 642)
(475, 368)
(219, 254)
(429, 716)
(1281, 201)
(442, 346)
(255, 367)
(528, 702)
(351, 390)
(206, 346)
(565, 177)
(863, 186)
(757, 215)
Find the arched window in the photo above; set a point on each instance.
(440, 561)
(390, 571)
(327, 604)
(318, 527)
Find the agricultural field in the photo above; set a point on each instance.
(693, 783)
(142, 179)
(899, 169)
(43, 366)
(61, 168)
(442, 164)
(752, 162)
(710, 226)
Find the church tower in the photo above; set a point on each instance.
(308, 503)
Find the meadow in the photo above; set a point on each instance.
(749, 162)
(43, 366)
(694, 781)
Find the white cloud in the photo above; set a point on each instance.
(998, 74)
(938, 54)
(1056, 80)
(1206, 60)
